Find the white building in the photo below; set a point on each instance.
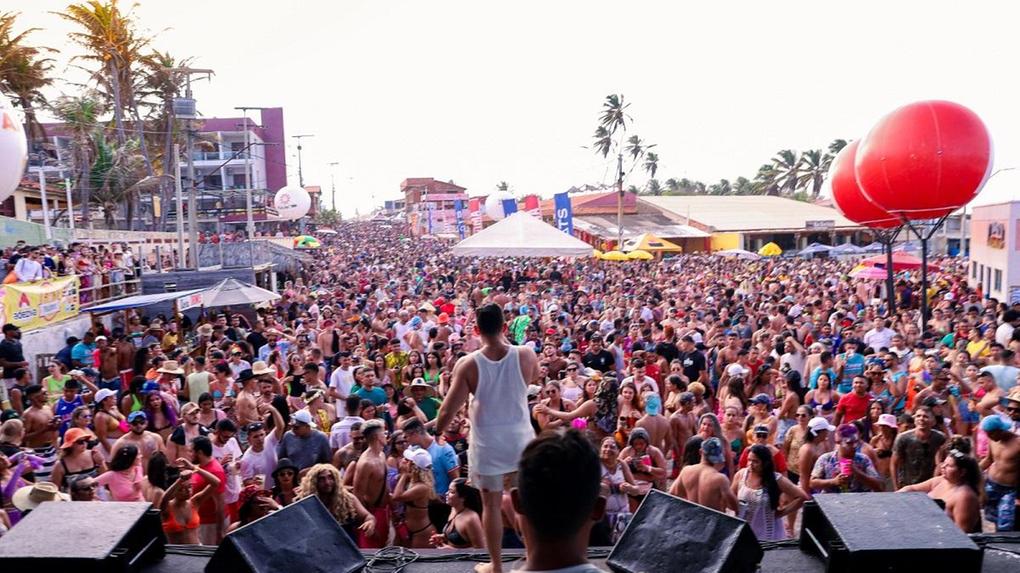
(995, 250)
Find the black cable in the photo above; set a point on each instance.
(391, 560)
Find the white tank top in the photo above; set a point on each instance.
(500, 420)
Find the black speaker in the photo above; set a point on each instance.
(302, 537)
(84, 537)
(885, 532)
(671, 534)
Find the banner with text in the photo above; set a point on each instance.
(564, 213)
(509, 207)
(458, 207)
(40, 303)
(475, 207)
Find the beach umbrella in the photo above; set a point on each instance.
(326, 232)
(232, 292)
(640, 255)
(814, 249)
(864, 272)
(770, 250)
(306, 242)
(901, 262)
(738, 254)
(596, 253)
(615, 256)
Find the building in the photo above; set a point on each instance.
(430, 205)
(995, 250)
(750, 221)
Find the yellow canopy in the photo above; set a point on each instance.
(650, 243)
(640, 255)
(614, 256)
(596, 253)
(770, 250)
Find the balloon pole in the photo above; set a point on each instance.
(925, 230)
(887, 238)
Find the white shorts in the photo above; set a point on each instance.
(499, 482)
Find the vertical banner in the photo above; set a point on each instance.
(532, 206)
(475, 208)
(509, 207)
(458, 208)
(564, 213)
(431, 208)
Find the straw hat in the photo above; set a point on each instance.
(30, 496)
(171, 367)
(205, 330)
(259, 367)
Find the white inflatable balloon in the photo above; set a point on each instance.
(494, 204)
(13, 149)
(292, 202)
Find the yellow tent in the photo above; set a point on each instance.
(614, 256)
(596, 253)
(640, 256)
(650, 243)
(770, 250)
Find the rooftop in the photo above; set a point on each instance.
(748, 213)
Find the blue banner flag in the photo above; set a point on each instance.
(509, 207)
(458, 207)
(564, 213)
(431, 208)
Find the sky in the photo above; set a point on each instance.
(482, 92)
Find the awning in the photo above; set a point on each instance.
(142, 300)
(634, 225)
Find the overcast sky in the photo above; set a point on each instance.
(482, 92)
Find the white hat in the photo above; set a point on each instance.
(736, 370)
(886, 420)
(259, 367)
(818, 423)
(302, 417)
(103, 394)
(418, 457)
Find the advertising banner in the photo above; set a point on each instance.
(40, 303)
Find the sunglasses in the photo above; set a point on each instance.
(254, 427)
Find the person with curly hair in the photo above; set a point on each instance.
(323, 481)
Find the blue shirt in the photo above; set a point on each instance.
(444, 459)
(852, 366)
(282, 345)
(83, 353)
(376, 395)
(813, 379)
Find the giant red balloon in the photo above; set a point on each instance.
(847, 195)
(925, 159)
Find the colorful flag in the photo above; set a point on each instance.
(509, 207)
(458, 208)
(474, 206)
(532, 206)
(564, 213)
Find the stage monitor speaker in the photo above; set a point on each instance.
(886, 532)
(671, 534)
(84, 537)
(301, 538)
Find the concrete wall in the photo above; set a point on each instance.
(995, 250)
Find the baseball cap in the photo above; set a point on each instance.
(886, 420)
(137, 414)
(418, 457)
(736, 370)
(686, 397)
(761, 399)
(995, 423)
(933, 401)
(713, 451)
(104, 393)
(818, 424)
(847, 432)
(302, 417)
(761, 430)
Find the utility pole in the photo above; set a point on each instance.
(300, 173)
(332, 183)
(619, 201)
(178, 196)
(189, 114)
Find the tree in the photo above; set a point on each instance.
(117, 175)
(651, 164)
(836, 146)
(160, 85)
(80, 116)
(787, 164)
(673, 186)
(743, 186)
(502, 186)
(24, 72)
(765, 181)
(723, 187)
(814, 165)
(653, 187)
(328, 217)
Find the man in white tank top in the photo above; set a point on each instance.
(497, 376)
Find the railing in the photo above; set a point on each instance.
(104, 287)
(218, 155)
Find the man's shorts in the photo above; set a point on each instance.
(500, 482)
(1000, 505)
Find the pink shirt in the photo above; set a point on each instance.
(123, 487)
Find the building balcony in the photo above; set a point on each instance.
(219, 155)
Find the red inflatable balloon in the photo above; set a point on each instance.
(924, 160)
(847, 195)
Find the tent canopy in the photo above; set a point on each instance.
(141, 300)
(770, 250)
(650, 243)
(847, 249)
(738, 253)
(232, 292)
(522, 235)
(815, 249)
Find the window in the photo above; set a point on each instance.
(998, 280)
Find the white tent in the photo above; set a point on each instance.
(232, 292)
(522, 235)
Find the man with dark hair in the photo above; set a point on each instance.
(445, 463)
(340, 432)
(40, 430)
(497, 376)
(370, 482)
(208, 482)
(558, 501)
(12, 357)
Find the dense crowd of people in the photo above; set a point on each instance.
(103, 270)
(744, 386)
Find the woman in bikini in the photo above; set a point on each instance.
(464, 529)
(161, 416)
(110, 424)
(76, 459)
(179, 510)
(323, 413)
(415, 489)
(884, 436)
(957, 490)
(208, 414)
(823, 399)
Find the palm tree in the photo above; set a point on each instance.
(766, 180)
(116, 176)
(157, 91)
(327, 217)
(723, 187)
(80, 116)
(698, 188)
(813, 167)
(24, 73)
(614, 114)
(651, 163)
(787, 165)
(673, 185)
(743, 186)
(653, 187)
(836, 146)
(502, 186)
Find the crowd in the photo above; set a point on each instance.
(745, 386)
(103, 270)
